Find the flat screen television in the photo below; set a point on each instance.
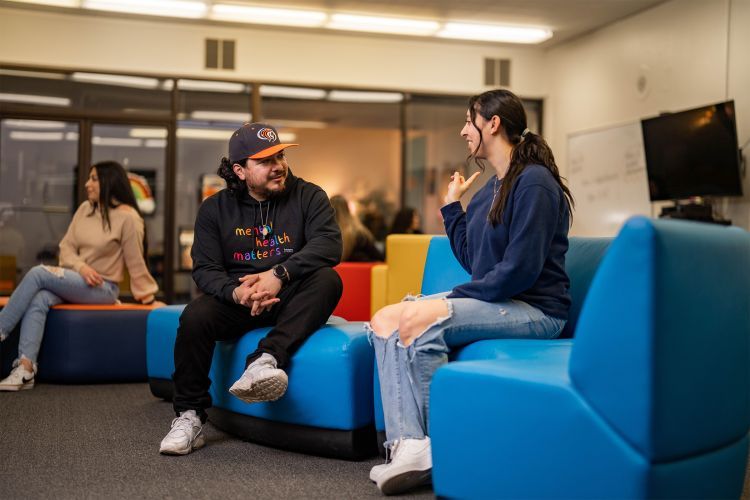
(693, 153)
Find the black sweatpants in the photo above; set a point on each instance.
(305, 306)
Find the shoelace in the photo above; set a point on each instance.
(184, 424)
(391, 452)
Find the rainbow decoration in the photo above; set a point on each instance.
(143, 195)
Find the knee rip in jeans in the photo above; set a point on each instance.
(56, 270)
(411, 297)
(425, 340)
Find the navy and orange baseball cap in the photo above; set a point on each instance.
(256, 141)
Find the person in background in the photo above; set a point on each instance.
(263, 255)
(406, 221)
(106, 236)
(512, 239)
(358, 241)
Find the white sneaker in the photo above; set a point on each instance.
(376, 471)
(261, 381)
(185, 435)
(19, 379)
(410, 466)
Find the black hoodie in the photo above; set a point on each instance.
(229, 240)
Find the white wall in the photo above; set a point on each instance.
(31, 37)
(680, 47)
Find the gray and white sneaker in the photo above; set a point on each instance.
(185, 435)
(410, 466)
(261, 381)
(20, 379)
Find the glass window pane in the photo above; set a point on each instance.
(142, 151)
(208, 114)
(435, 149)
(38, 164)
(87, 91)
(349, 147)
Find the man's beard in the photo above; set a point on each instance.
(267, 193)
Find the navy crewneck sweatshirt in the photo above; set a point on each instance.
(523, 257)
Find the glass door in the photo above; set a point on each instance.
(38, 171)
(142, 150)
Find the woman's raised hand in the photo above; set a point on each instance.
(458, 186)
(91, 277)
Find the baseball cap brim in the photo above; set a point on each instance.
(270, 151)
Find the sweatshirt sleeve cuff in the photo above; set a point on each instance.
(451, 208)
(293, 269)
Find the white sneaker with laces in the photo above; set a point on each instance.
(185, 435)
(410, 466)
(376, 471)
(19, 379)
(261, 381)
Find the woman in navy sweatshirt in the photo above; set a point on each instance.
(512, 238)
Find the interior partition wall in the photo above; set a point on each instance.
(381, 150)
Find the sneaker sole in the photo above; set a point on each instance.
(15, 388)
(199, 443)
(406, 481)
(268, 389)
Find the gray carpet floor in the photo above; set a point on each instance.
(102, 441)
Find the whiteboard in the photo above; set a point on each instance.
(607, 176)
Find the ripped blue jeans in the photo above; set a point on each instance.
(406, 372)
(42, 288)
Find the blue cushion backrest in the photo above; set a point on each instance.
(663, 341)
(442, 271)
(581, 261)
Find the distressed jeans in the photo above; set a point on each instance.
(42, 288)
(406, 372)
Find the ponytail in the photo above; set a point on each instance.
(528, 148)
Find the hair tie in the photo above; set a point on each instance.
(523, 134)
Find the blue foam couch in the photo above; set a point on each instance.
(651, 398)
(442, 272)
(327, 409)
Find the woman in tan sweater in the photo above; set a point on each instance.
(106, 235)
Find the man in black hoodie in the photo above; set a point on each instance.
(263, 255)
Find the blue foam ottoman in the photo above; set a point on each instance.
(90, 344)
(327, 409)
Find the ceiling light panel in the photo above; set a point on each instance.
(33, 124)
(494, 33)
(291, 92)
(35, 99)
(267, 15)
(19, 135)
(375, 24)
(210, 86)
(148, 133)
(220, 116)
(123, 142)
(357, 96)
(172, 8)
(119, 80)
(214, 134)
(56, 3)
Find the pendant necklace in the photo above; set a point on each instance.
(495, 190)
(265, 229)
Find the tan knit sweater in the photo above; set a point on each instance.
(108, 251)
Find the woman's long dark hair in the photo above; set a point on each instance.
(528, 148)
(114, 190)
(403, 220)
(234, 184)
